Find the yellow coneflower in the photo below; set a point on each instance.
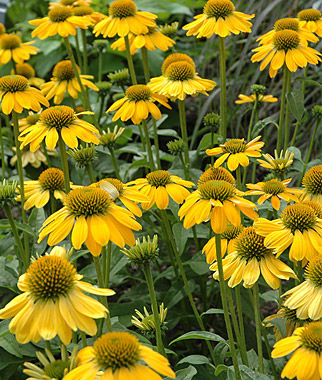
(69, 3)
(273, 190)
(87, 13)
(219, 17)
(316, 207)
(55, 122)
(298, 228)
(28, 72)
(159, 185)
(11, 48)
(236, 152)
(312, 183)
(124, 18)
(38, 193)
(60, 20)
(286, 48)
(217, 201)
(179, 80)
(277, 164)
(93, 218)
(17, 95)
(120, 356)
(251, 99)
(176, 57)
(28, 121)
(290, 24)
(216, 174)
(2, 30)
(35, 159)
(306, 298)
(146, 322)
(152, 40)
(228, 238)
(53, 302)
(249, 259)
(137, 104)
(306, 361)
(123, 192)
(311, 19)
(64, 80)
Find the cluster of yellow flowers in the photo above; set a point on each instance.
(243, 245)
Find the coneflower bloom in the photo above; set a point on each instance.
(124, 18)
(55, 122)
(219, 17)
(35, 159)
(298, 228)
(17, 95)
(249, 259)
(137, 104)
(216, 174)
(279, 163)
(87, 13)
(53, 302)
(274, 190)
(61, 21)
(306, 298)
(312, 183)
(120, 356)
(64, 81)
(92, 217)
(311, 19)
(287, 48)
(236, 152)
(11, 48)
(217, 201)
(28, 72)
(159, 185)
(252, 98)
(306, 361)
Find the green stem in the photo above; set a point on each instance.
(223, 90)
(64, 163)
(156, 143)
(238, 177)
(21, 181)
(114, 163)
(286, 73)
(250, 127)
(52, 203)
(185, 170)
(14, 230)
(100, 278)
(212, 158)
(304, 83)
(46, 154)
(241, 322)
(3, 162)
(258, 328)
(223, 294)
(72, 100)
(148, 145)
(296, 130)
(90, 173)
(316, 127)
(83, 337)
(185, 280)
(154, 304)
(107, 257)
(130, 60)
(287, 113)
(100, 65)
(145, 61)
(184, 135)
(268, 348)
(85, 59)
(78, 53)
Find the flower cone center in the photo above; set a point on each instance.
(13, 83)
(116, 350)
(289, 314)
(273, 187)
(52, 179)
(10, 41)
(159, 178)
(309, 15)
(56, 369)
(217, 190)
(58, 117)
(249, 244)
(25, 70)
(311, 337)
(64, 71)
(50, 277)
(286, 40)
(314, 271)
(317, 208)
(122, 8)
(87, 201)
(32, 119)
(138, 92)
(83, 10)
(231, 232)
(298, 217)
(176, 57)
(218, 8)
(60, 14)
(180, 71)
(286, 23)
(312, 180)
(216, 174)
(234, 146)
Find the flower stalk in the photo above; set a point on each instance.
(85, 59)
(286, 75)
(130, 60)
(184, 135)
(223, 89)
(148, 145)
(258, 328)
(64, 163)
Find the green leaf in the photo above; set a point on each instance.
(9, 343)
(295, 100)
(203, 335)
(280, 324)
(26, 228)
(261, 124)
(186, 374)
(181, 236)
(220, 368)
(194, 359)
(205, 142)
(213, 311)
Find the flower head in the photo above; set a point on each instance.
(249, 259)
(61, 21)
(145, 322)
(110, 137)
(119, 77)
(219, 17)
(287, 47)
(64, 80)
(236, 151)
(83, 156)
(218, 201)
(278, 164)
(27, 71)
(170, 30)
(175, 147)
(53, 302)
(305, 363)
(11, 48)
(252, 98)
(87, 13)
(306, 298)
(176, 57)
(93, 218)
(298, 228)
(158, 185)
(7, 191)
(274, 190)
(311, 20)
(124, 18)
(56, 122)
(312, 183)
(216, 174)
(143, 251)
(17, 95)
(35, 159)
